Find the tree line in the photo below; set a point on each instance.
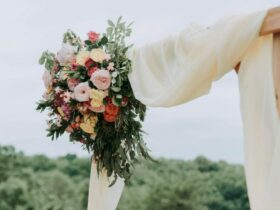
(41, 183)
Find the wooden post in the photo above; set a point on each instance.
(271, 23)
(276, 68)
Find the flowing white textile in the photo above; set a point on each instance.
(101, 196)
(183, 67)
(261, 125)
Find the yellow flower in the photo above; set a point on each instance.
(96, 98)
(98, 55)
(88, 124)
(82, 57)
(60, 111)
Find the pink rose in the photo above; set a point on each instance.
(101, 79)
(47, 78)
(72, 83)
(81, 92)
(93, 36)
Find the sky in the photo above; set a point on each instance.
(209, 126)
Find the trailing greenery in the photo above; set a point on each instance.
(40, 183)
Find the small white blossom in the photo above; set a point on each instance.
(57, 89)
(110, 67)
(67, 97)
(107, 57)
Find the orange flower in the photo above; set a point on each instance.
(109, 117)
(111, 112)
(112, 109)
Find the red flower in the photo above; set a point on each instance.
(89, 63)
(112, 109)
(91, 70)
(75, 125)
(93, 36)
(108, 100)
(111, 112)
(74, 65)
(109, 118)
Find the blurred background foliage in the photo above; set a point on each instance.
(42, 183)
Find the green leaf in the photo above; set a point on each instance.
(103, 41)
(111, 23)
(119, 20)
(42, 59)
(88, 42)
(116, 101)
(109, 31)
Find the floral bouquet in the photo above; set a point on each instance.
(88, 95)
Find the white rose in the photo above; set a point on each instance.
(82, 57)
(47, 78)
(98, 55)
(66, 54)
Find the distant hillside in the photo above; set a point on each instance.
(41, 183)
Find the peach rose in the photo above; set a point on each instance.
(101, 79)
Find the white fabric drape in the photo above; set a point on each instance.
(261, 126)
(101, 196)
(183, 67)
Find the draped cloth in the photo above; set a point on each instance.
(181, 68)
(261, 125)
(101, 196)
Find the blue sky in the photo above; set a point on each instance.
(209, 126)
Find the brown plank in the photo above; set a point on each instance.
(271, 24)
(276, 68)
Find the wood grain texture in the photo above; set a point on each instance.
(276, 68)
(271, 23)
